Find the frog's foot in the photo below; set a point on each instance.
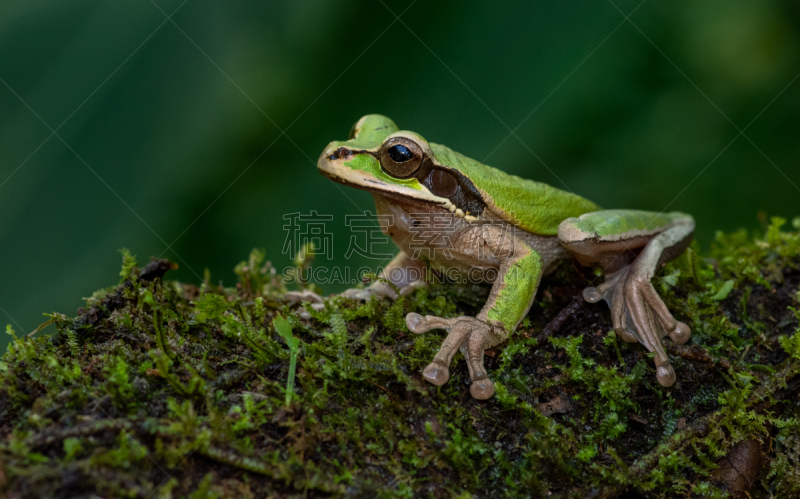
(380, 289)
(638, 314)
(311, 297)
(470, 335)
(301, 296)
(367, 293)
(317, 302)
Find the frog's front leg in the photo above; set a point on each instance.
(403, 271)
(630, 245)
(508, 303)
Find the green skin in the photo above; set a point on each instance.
(518, 228)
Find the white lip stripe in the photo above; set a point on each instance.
(362, 180)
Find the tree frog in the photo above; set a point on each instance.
(508, 231)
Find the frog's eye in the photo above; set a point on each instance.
(401, 157)
(353, 131)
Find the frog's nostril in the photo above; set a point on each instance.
(340, 153)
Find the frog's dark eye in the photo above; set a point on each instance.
(401, 157)
(442, 183)
(400, 153)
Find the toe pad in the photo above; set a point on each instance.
(417, 324)
(436, 373)
(592, 295)
(666, 375)
(681, 333)
(482, 389)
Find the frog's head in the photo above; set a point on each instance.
(400, 165)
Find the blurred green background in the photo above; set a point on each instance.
(172, 132)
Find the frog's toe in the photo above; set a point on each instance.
(627, 335)
(354, 294)
(306, 296)
(680, 333)
(410, 288)
(604, 291)
(482, 389)
(474, 349)
(666, 375)
(416, 323)
(436, 373)
(677, 331)
(419, 324)
(649, 334)
(301, 296)
(620, 318)
(592, 295)
(379, 289)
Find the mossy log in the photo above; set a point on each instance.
(163, 389)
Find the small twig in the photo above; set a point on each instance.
(379, 386)
(54, 318)
(561, 319)
(89, 367)
(388, 393)
(50, 437)
(698, 353)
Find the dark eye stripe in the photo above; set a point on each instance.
(453, 185)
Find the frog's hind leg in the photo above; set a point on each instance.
(630, 257)
(621, 305)
(638, 314)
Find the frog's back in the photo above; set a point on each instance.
(533, 206)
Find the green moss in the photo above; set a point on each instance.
(185, 390)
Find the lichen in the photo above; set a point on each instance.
(175, 390)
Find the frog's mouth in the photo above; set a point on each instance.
(361, 168)
(333, 164)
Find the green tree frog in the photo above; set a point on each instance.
(509, 230)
